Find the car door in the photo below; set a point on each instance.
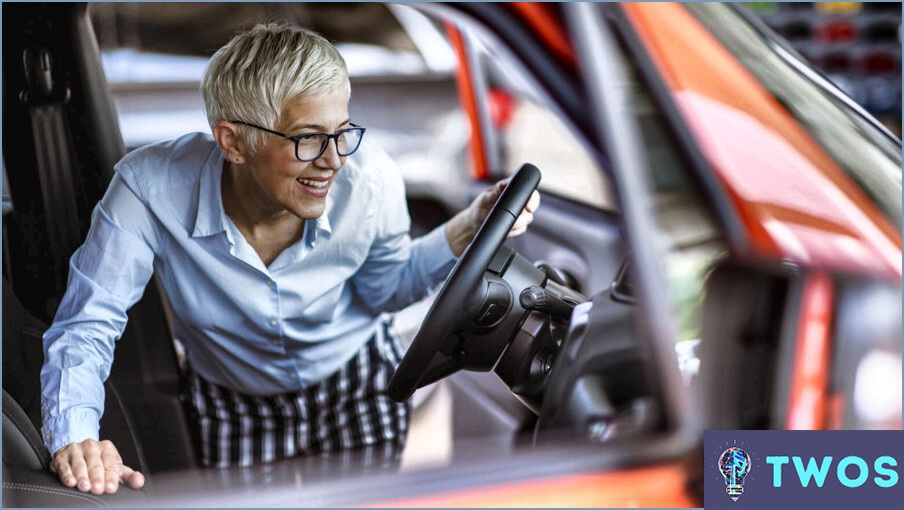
(513, 120)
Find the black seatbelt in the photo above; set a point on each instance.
(45, 97)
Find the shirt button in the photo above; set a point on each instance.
(269, 283)
(275, 343)
(293, 376)
(47, 437)
(272, 322)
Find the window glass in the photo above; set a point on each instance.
(868, 156)
(688, 231)
(538, 136)
(527, 130)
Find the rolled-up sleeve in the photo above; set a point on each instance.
(398, 270)
(107, 275)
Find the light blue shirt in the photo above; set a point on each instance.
(256, 329)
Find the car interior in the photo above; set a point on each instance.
(70, 141)
(539, 339)
(67, 141)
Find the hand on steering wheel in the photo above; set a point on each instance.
(446, 314)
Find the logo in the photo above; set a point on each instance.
(734, 461)
(803, 469)
(734, 464)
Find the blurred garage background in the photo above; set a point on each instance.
(857, 44)
(154, 58)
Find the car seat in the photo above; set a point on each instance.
(27, 480)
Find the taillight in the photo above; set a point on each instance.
(867, 365)
(836, 31)
(501, 106)
(877, 62)
(835, 62)
(877, 389)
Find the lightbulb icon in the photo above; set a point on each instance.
(734, 464)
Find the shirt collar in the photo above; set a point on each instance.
(322, 227)
(211, 217)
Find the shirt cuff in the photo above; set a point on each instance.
(436, 246)
(72, 426)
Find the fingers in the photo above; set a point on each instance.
(493, 193)
(526, 216)
(533, 203)
(62, 468)
(94, 467)
(132, 478)
(113, 467)
(76, 460)
(520, 226)
(515, 232)
(482, 206)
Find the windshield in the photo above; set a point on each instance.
(871, 157)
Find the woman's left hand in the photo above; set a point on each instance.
(462, 228)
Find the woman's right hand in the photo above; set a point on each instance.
(94, 466)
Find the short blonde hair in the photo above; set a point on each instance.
(255, 75)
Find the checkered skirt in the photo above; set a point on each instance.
(347, 410)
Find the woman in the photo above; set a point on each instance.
(279, 241)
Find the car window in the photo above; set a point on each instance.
(154, 57)
(687, 229)
(535, 134)
(870, 157)
(528, 130)
(524, 126)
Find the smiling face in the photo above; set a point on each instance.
(283, 183)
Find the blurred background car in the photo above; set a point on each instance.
(857, 45)
(731, 217)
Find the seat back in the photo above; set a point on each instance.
(22, 360)
(22, 446)
(22, 356)
(142, 391)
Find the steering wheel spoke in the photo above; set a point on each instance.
(424, 362)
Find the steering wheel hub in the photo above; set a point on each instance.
(475, 312)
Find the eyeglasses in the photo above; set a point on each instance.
(311, 146)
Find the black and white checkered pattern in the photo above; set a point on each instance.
(347, 410)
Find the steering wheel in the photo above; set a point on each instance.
(424, 362)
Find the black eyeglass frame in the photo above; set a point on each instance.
(335, 137)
